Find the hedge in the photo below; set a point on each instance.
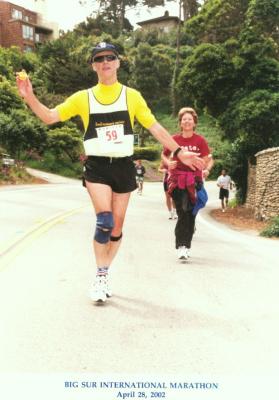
(150, 153)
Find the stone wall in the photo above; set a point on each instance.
(263, 185)
(251, 187)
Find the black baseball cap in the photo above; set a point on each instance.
(103, 46)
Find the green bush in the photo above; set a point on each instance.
(272, 230)
(20, 132)
(150, 153)
(233, 203)
(15, 175)
(61, 166)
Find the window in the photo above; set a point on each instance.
(27, 32)
(37, 37)
(16, 14)
(26, 18)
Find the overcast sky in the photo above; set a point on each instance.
(68, 13)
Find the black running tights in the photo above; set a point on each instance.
(185, 225)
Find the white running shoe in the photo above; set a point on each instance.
(107, 288)
(100, 290)
(173, 214)
(182, 253)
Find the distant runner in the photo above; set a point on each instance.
(225, 184)
(140, 171)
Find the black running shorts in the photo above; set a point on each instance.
(117, 172)
(224, 193)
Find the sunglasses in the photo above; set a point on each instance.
(99, 59)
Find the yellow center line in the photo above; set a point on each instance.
(13, 248)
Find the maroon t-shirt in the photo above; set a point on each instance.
(195, 143)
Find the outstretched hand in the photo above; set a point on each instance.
(192, 160)
(172, 164)
(24, 86)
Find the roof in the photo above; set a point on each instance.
(165, 17)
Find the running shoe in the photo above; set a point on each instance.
(182, 253)
(107, 288)
(100, 290)
(173, 215)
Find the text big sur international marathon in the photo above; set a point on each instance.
(142, 385)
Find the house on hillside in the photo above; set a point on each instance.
(24, 28)
(164, 24)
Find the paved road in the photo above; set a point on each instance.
(216, 314)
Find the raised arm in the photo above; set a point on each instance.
(25, 89)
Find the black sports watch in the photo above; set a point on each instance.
(177, 151)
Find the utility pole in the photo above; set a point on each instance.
(176, 65)
(122, 16)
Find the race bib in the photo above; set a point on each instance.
(110, 136)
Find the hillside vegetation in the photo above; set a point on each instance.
(223, 62)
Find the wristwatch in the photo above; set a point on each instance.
(177, 151)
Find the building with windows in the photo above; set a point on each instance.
(164, 24)
(23, 28)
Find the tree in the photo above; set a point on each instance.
(253, 124)
(151, 37)
(65, 68)
(218, 21)
(66, 140)
(263, 15)
(102, 23)
(190, 8)
(9, 98)
(13, 60)
(114, 11)
(207, 79)
(256, 116)
(151, 73)
(20, 132)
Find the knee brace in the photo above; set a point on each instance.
(116, 238)
(104, 226)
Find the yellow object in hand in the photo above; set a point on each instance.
(22, 75)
